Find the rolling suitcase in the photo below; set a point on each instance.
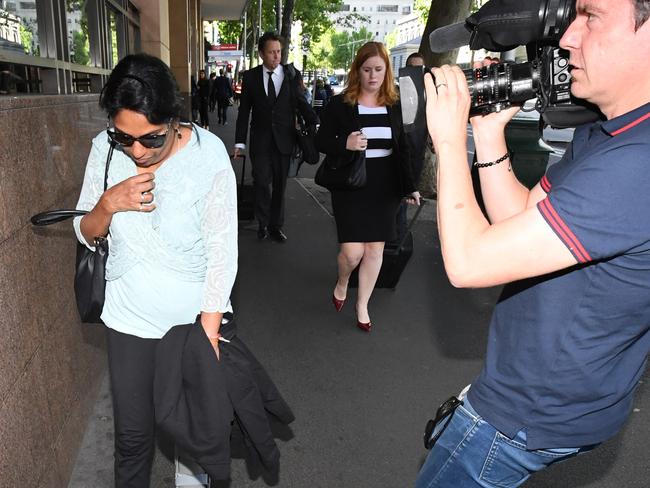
(245, 195)
(396, 256)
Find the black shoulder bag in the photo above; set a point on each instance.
(333, 175)
(90, 274)
(339, 173)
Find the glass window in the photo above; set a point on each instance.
(77, 26)
(387, 8)
(18, 28)
(344, 8)
(406, 10)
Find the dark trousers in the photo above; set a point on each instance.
(131, 363)
(203, 111)
(270, 170)
(222, 109)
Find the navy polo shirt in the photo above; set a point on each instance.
(566, 350)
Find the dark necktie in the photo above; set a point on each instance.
(271, 88)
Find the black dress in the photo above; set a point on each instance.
(368, 214)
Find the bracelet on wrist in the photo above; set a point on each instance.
(495, 162)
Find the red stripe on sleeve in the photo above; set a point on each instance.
(545, 184)
(563, 231)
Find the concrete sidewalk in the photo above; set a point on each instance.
(361, 400)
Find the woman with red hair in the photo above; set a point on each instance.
(366, 117)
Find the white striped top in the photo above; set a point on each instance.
(375, 124)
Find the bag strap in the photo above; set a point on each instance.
(54, 216)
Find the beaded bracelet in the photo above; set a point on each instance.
(492, 163)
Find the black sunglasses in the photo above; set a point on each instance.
(150, 141)
(445, 410)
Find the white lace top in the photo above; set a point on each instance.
(168, 265)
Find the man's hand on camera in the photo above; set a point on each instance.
(448, 104)
(494, 121)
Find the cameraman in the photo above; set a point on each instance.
(569, 337)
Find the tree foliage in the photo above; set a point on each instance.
(80, 48)
(345, 46)
(230, 31)
(314, 16)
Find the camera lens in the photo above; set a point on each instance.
(498, 86)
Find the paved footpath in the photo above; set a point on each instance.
(361, 400)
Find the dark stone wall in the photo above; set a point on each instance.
(50, 363)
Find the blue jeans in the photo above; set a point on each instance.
(472, 453)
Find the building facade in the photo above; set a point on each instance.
(382, 16)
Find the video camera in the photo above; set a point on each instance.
(502, 25)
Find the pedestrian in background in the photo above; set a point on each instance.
(194, 99)
(272, 93)
(171, 212)
(223, 94)
(366, 117)
(203, 86)
(213, 95)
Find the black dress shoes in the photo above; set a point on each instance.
(262, 233)
(277, 235)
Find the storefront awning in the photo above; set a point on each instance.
(222, 9)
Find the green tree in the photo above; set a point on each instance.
(390, 40)
(314, 16)
(26, 38)
(319, 53)
(230, 31)
(80, 48)
(345, 46)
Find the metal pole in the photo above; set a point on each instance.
(243, 44)
(259, 20)
(278, 16)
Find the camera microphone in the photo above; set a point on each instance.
(450, 37)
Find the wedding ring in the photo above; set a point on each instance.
(440, 84)
(141, 207)
(142, 197)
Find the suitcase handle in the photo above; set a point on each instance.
(243, 167)
(411, 223)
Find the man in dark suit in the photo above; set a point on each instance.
(272, 92)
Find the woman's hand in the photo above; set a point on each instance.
(414, 198)
(495, 121)
(448, 104)
(357, 141)
(134, 193)
(211, 323)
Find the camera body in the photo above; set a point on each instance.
(502, 25)
(546, 78)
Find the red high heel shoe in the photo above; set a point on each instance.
(366, 327)
(338, 304)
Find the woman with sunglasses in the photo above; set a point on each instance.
(170, 213)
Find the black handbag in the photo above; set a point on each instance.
(305, 137)
(333, 175)
(90, 274)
